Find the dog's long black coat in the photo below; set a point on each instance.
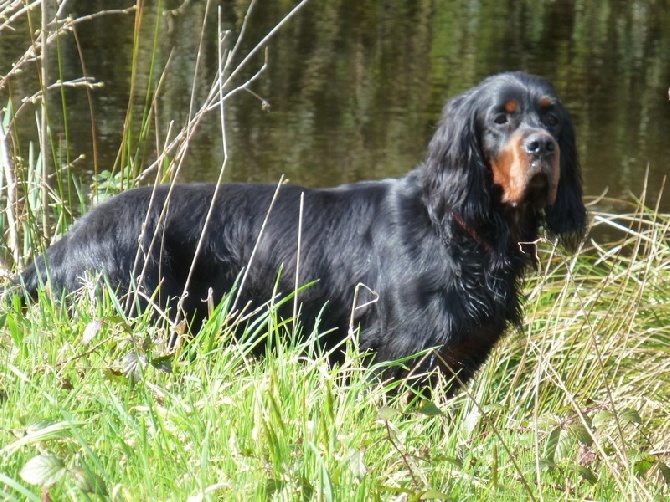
(444, 248)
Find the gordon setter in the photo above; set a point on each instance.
(439, 253)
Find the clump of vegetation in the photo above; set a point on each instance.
(573, 407)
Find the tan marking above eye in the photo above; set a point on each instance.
(546, 102)
(511, 106)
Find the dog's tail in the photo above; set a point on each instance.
(29, 279)
(26, 283)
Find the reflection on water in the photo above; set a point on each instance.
(355, 87)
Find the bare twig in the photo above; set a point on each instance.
(9, 23)
(240, 37)
(11, 194)
(89, 96)
(43, 131)
(90, 17)
(258, 240)
(191, 105)
(297, 260)
(405, 458)
(212, 204)
(217, 98)
(140, 239)
(354, 307)
(60, 26)
(218, 91)
(261, 45)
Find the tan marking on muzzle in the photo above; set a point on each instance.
(512, 169)
(555, 176)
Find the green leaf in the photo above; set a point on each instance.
(545, 464)
(44, 430)
(430, 408)
(91, 331)
(43, 470)
(356, 463)
(665, 472)
(163, 363)
(587, 474)
(385, 413)
(434, 495)
(581, 433)
(643, 464)
(9, 114)
(89, 482)
(550, 445)
(602, 417)
(20, 488)
(133, 365)
(630, 415)
(566, 445)
(548, 421)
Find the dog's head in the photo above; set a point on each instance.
(508, 146)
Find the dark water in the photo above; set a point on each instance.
(354, 88)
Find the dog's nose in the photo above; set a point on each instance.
(539, 145)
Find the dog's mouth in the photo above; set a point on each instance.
(538, 188)
(537, 191)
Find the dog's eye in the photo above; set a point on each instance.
(501, 119)
(550, 120)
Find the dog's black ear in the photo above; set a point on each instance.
(455, 172)
(567, 217)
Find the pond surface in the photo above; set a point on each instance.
(353, 88)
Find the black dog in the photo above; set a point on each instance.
(443, 250)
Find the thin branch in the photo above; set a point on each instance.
(240, 37)
(212, 204)
(260, 45)
(9, 23)
(90, 17)
(258, 240)
(216, 91)
(297, 260)
(11, 194)
(43, 130)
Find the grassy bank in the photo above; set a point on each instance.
(573, 407)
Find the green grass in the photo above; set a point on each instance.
(574, 407)
(93, 405)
